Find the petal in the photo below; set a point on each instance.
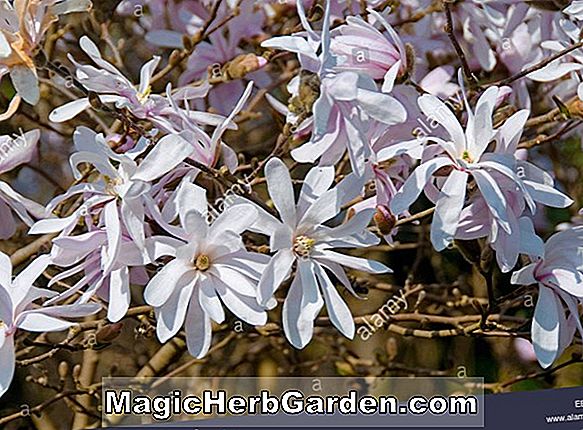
(494, 197)
(38, 321)
(546, 327)
(281, 190)
(198, 329)
(362, 264)
(209, 300)
(275, 273)
(337, 308)
(161, 286)
(171, 315)
(69, 110)
(436, 110)
(302, 304)
(168, 153)
(7, 358)
(415, 183)
(119, 294)
(448, 209)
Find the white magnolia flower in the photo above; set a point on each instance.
(349, 103)
(17, 311)
(210, 266)
(302, 237)
(120, 195)
(468, 154)
(559, 275)
(112, 86)
(15, 151)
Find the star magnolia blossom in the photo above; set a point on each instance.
(362, 48)
(18, 311)
(466, 155)
(22, 27)
(348, 104)
(117, 192)
(15, 151)
(209, 266)
(302, 238)
(113, 87)
(559, 275)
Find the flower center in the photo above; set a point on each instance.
(467, 157)
(202, 262)
(143, 97)
(111, 184)
(303, 245)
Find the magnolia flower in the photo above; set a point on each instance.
(107, 272)
(559, 275)
(17, 311)
(572, 63)
(22, 28)
(301, 237)
(348, 105)
(15, 151)
(466, 155)
(360, 47)
(210, 265)
(113, 87)
(117, 195)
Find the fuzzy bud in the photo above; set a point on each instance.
(244, 64)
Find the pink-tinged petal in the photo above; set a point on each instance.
(171, 315)
(302, 305)
(113, 230)
(436, 110)
(7, 358)
(567, 279)
(337, 308)
(362, 264)
(168, 153)
(276, 271)
(30, 274)
(547, 195)
(546, 325)
(415, 183)
(161, 286)
(281, 190)
(69, 250)
(119, 294)
(6, 305)
(511, 131)
(494, 197)
(198, 329)
(448, 209)
(18, 151)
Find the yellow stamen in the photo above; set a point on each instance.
(303, 245)
(203, 262)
